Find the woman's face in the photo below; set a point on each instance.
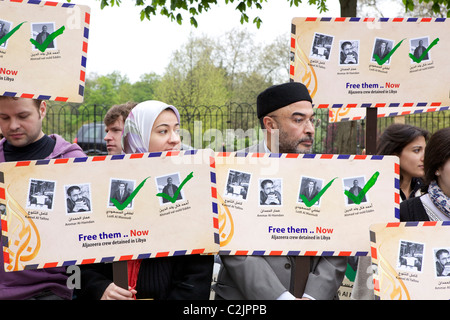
(443, 177)
(165, 134)
(411, 158)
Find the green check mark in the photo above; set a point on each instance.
(388, 56)
(9, 34)
(123, 205)
(318, 196)
(418, 60)
(43, 46)
(175, 196)
(357, 199)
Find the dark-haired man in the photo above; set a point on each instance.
(286, 112)
(21, 124)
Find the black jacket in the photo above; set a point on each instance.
(413, 210)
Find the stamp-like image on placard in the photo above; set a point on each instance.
(310, 187)
(168, 184)
(410, 256)
(354, 185)
(418, 48)
(381, 50)
(237, 184)
(41, 32)
(442, 262)
(41, 194)
(78, 198)
(321, 46)
(270, 191)
(120, 190)
(349, 53)
(5, 28)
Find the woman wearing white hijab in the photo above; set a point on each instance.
(152, 126)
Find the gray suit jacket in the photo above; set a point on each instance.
(267, 277)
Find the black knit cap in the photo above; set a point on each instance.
(279, 96)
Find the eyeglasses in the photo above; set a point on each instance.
(301, 122)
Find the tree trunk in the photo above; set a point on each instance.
(347, 131)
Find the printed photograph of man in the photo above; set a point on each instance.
(270, 192)
(382, 48)
(41, 31)
(310, 187)
(418, 47)
(121, 190)
(5, 27)
(169, 185)
(349, 52)
(237, 184)
(353, 185)
(78, 198)
(410, 256)
(40, 194)
(442, 257)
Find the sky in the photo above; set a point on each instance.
(120, 41)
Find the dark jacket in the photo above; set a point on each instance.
(413, 210)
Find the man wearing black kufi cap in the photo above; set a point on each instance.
(285, 111)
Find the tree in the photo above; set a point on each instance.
(192, 78)
(174, 9)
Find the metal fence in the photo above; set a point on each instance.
(230, 127)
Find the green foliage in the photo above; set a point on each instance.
(174, 9)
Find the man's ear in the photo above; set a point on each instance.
(269, 124)
(43, 109)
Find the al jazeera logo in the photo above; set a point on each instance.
(23, 241)
(226, 224)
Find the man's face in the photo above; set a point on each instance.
(444, 258)
(347, 49)
(21, 121)
(296, 132)
(268, 188)
(113, 136)
(75, 195)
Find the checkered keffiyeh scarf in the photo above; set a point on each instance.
(439, 198)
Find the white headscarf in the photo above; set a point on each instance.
(139, 123)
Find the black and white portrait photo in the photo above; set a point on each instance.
(410, 256)
(41, 31)
(354, 185)
(321, 46)
(418, 47)
(78, 198)
(309, 187)
(270, 192)
(349, 52)
(169, 184)
(237, 184)
(442, 262)
(381, 49)
(5, 27)
(41, 194)
(120, 190)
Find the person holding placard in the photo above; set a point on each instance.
(114, 121)
(435, 204)
(21, 124)
(152, 126)
(408, 143)
(286, 112)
